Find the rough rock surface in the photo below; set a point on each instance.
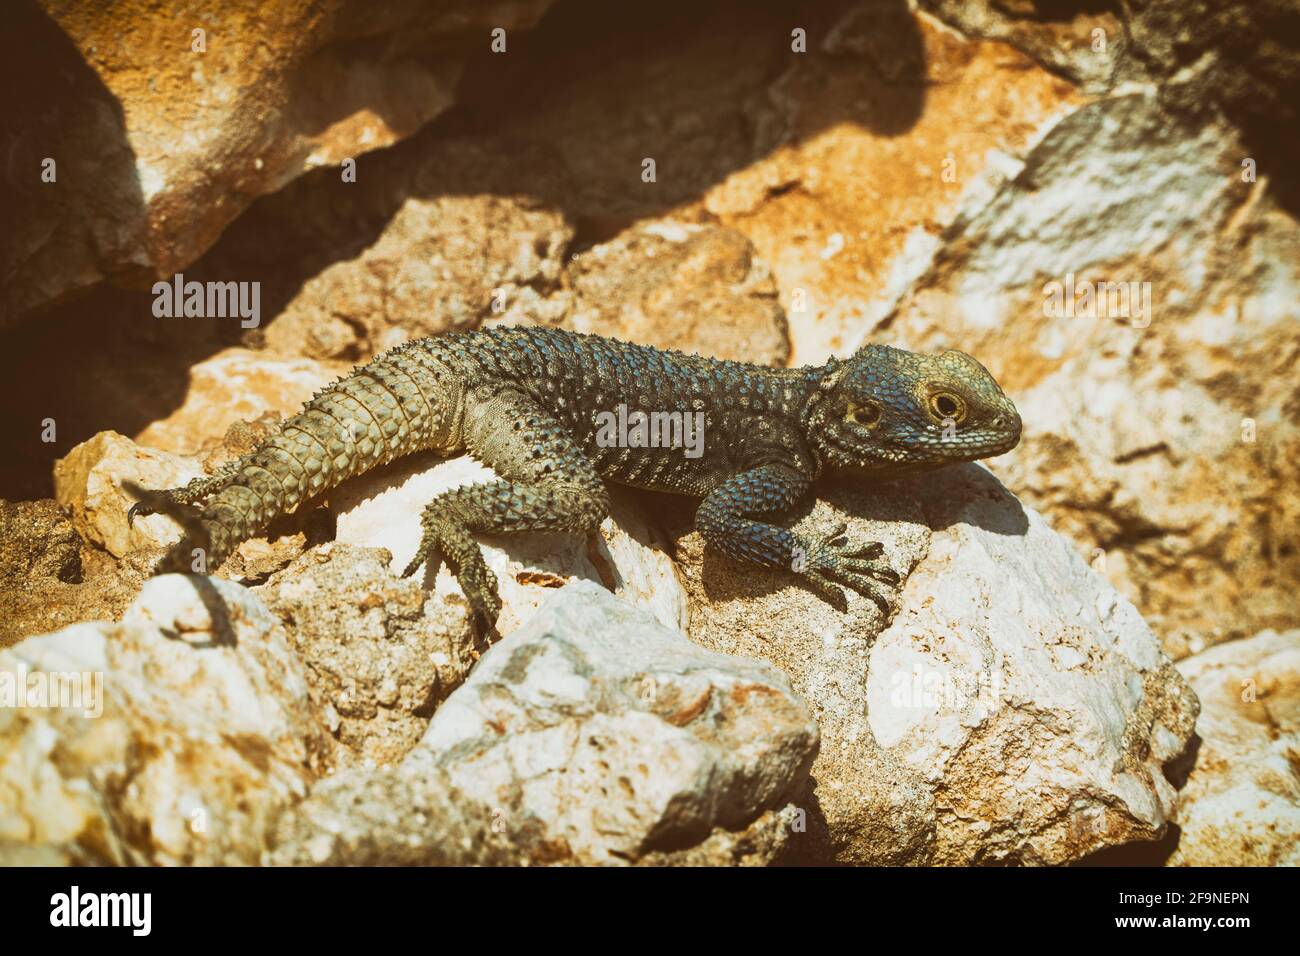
(440, 265)
(185, 729)
(234, 387)
(1240, 805)
(1239, 60)
(866, 147)
(1015, 709)
(591, 735)
(49, 578)
(178, 131)
(1085, 41)
(88, 484)
(382, 509)
(380, 652)
(680, 286)
(492, 259)
(1156, 424)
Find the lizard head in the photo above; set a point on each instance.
(889, 411)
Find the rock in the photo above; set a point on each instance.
(473, 256)
(184, 730)
(680, 286)
(48, 580)
(591, 735)
(232, 388)
(201, 112)
(37, 541)
(1014, 709)
(871, 143)
(1242, 61)
(1156, 426)
(613, 734)
(382, 509)
(1240, 805)
(412, 816)
(88, 484)
(408, 815)
(380, 652)
(1085, 42)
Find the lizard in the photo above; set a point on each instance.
(527, 402)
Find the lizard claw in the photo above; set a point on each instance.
(426, 552)
(147, 502)
(480, 587)
(476, 580)
(828, 564)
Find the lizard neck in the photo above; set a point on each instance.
(817, 382)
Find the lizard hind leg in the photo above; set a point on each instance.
(547, 484)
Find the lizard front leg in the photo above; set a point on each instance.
(822, 562)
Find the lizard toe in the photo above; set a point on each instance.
(866, 586)
(874, 569)
(872, 549)
(825, 588)
(138, 510)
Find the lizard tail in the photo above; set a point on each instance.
(364, 420)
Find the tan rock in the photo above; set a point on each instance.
(380, 652)
(680, 286)
(236, 386)
(1088, 44)
(1015, 708)
(183, 731)
(88, 484)
(884, 132)
(195, 112)
(1240, 805)
(441, 264)
(1155, 405)
(593, 735)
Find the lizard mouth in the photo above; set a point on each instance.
(910, 458)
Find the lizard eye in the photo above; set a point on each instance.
(865, 415)
(946, 405)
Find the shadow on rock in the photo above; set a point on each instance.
(565, 122)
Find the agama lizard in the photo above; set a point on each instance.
(527, 403)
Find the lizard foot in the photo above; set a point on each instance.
(472, 573)
(152, 502)
(138, 510)
(826, 564)
(147, 502)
